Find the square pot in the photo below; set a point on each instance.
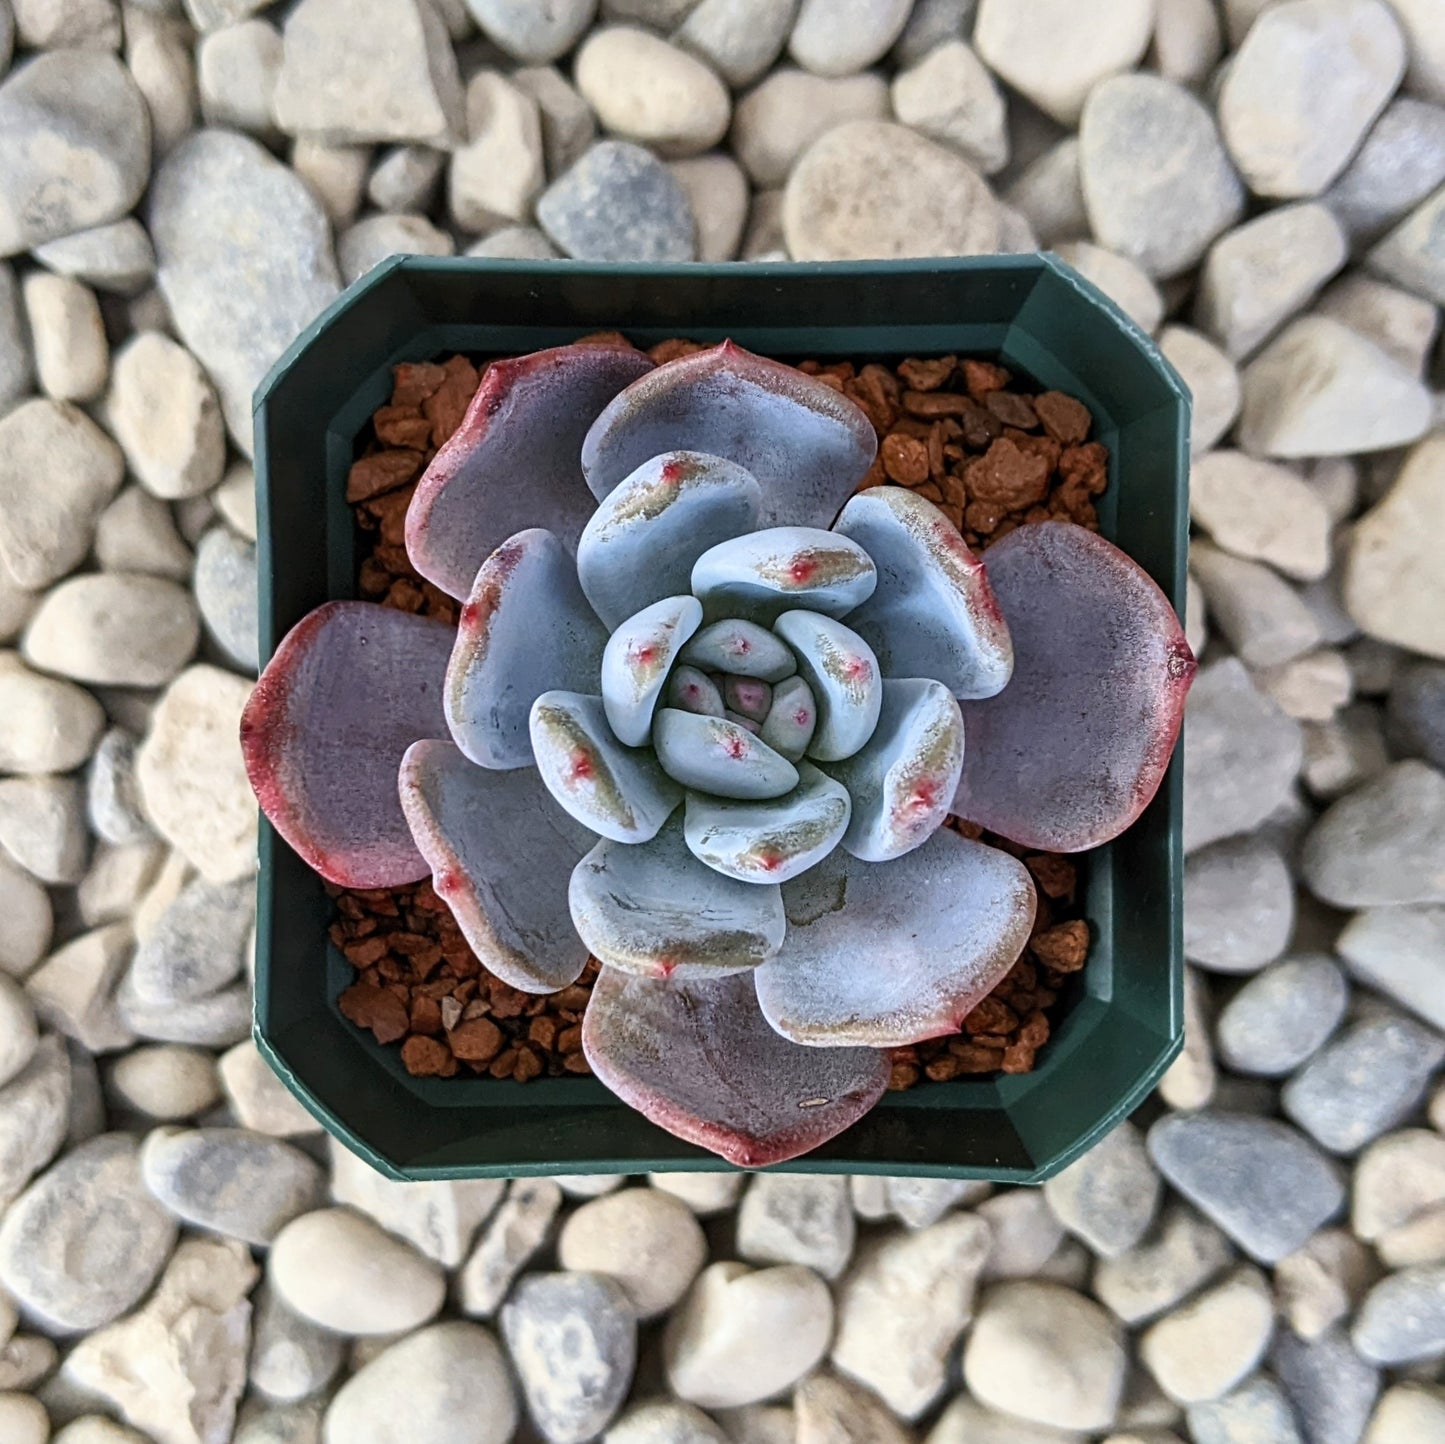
(1124, 1023)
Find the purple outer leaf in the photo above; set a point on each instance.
(760, 575)
(719, 756)
(499, 853)
(1075, 747)
(808, 446)
(847, 685)
(656, 911)
(526, 629)
(637, 659)
(791, 719)
(768, 842)
(616, 791)
(514, 459)
(902, 782)
(920, 942)
(694, 691)
(644, 536)
(933, 613)
(698, 1059)
(350, 688)
(741, 649)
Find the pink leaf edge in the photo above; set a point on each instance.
(1069, 754)
(349, 689)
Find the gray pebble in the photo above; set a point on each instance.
(50, 725)
(1241, 757)
(34, 1116)
(618, 203)
(573, 1342)
(16, 366)
(197, 946)
(1109, 1196)
(112, 799)
(405, 178)
(842, 37)
(1382, 843)
(83, 107)
(1024, 1233)
(740, 39)
(286, 1424)
(115, 257)
(1401, 161)
(42, 826)
(1157, 182)
(568, 125)
(245, 260)
(1238, 905)
(226, 592)
(1403, 1317)
(85, 1241)
(930, 23)
(1400, 951)
(1331, 1387)
(1282, 1016)
(1364, 1082)
(1180, 1256)
(1260, 614)
(137, 533)
(291, 1358)
(1255, 1413)
(371, 241)
(215, 1021)
(514, 243)
(1264, 1183)
(1412, 255)
(240, 1184)
(1415, 713)
(797, 1218)
(531, 33)
(507, 1244)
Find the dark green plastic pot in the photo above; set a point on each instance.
(1034, 314)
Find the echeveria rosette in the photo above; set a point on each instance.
(707, 723)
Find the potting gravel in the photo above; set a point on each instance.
(1258, 1257)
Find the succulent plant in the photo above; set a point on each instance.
(707, 724)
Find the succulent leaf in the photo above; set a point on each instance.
(766, 573)
(903, 780)
(637, 659)
(499, 854)
(656, 911)
(698, 1059)
(693, 691)
(616, 791)
(767, 842)
(847, 686)
(933, 613)
(792, 716)
(349, 689)
(645, 536)
(741, 649)
(920, 942)
(1075, 747)
(808, 445)
(526, 629)
(515, 457)
(748, 696)
(719, 756)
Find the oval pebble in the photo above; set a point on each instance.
(166, 1082)
(341, 1271)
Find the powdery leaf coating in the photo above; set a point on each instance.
(720, 757)
(902, 782)
(499, 854)
(765, 573)
(526, 629)
(887, 955)
(614, 790)
(770, 841)
(690, 690)
(637, 659)
(741, 648)
(646, 534)
(514, 459)
(748, 697)
(350, 688)
(699, 1060)
(1075, 747)
(791, 719)
(933, 613)
(654, 910)
(808, 445)
(847, 685)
